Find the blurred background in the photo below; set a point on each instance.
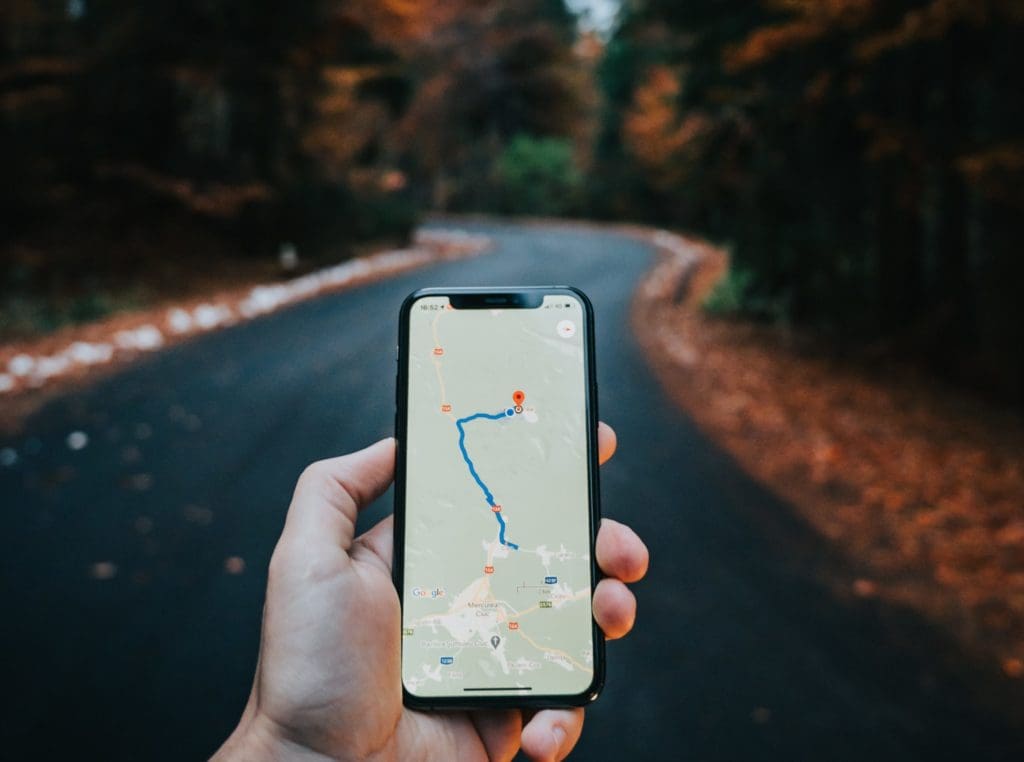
(817, 377)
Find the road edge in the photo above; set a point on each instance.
(31, 376)
(685, 271)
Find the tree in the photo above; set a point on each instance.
(539, 176)
(864, 158)
(489, 72)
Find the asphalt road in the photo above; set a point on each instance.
(191, 457)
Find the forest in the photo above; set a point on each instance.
(861, 161)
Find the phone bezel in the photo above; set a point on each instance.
(520, 297)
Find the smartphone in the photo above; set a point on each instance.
(496, 498)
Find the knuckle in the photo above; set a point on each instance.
(333, 480)
(315, 474)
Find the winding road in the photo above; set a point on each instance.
(181, 490)
(488, 497)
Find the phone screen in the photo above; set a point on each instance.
(497, 575)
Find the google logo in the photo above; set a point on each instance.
(437, 592)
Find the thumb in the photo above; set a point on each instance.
(330, 493)
(377, 544)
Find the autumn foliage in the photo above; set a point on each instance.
(142, 137)
(345, 115)
(864, 160)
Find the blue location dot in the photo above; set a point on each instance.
(510, 412)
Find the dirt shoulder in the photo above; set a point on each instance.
(920, 486)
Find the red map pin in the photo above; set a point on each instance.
(518, 396)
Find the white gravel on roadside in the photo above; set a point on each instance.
(27, 371)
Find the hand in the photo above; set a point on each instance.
(328, 679)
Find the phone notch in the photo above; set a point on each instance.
(528, 300)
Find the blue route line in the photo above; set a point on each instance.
(472, 469)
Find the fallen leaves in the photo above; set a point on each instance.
(922, 486)
(103, 570)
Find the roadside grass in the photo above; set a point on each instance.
(25, 315)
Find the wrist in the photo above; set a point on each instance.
(257, 738)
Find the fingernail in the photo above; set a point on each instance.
(559, 735)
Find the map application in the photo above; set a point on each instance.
(497, 569)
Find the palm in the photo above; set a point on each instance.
(357, 646)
